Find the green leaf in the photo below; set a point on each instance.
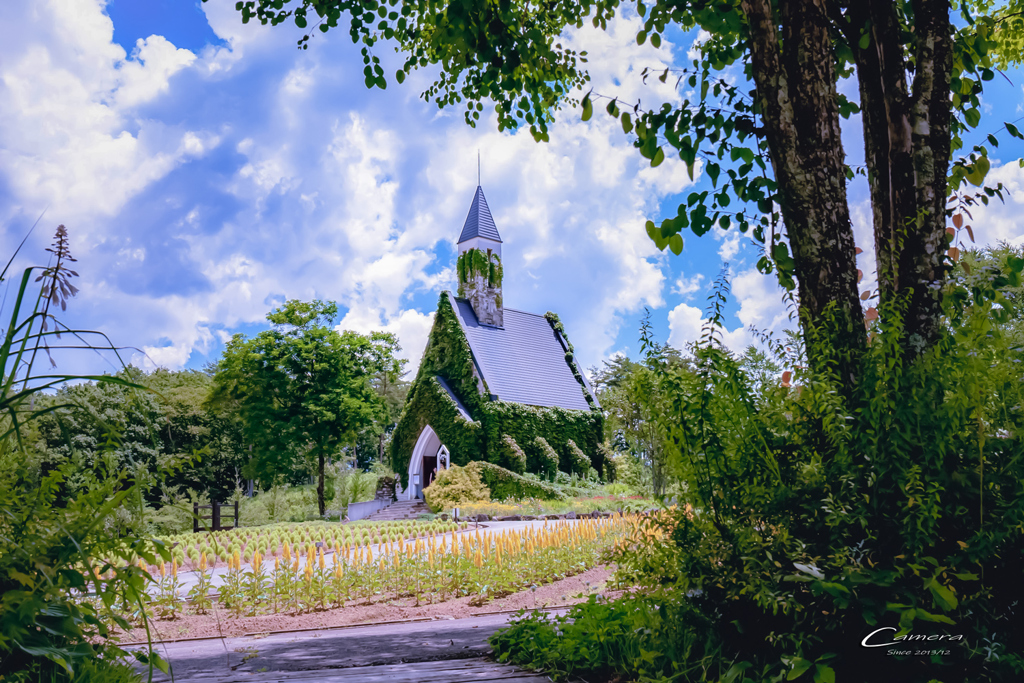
(928, 616)
(1012, 130)
(588, 108)
(978, 171)
(824, 674)
(659, 157)
(675, 243)
(973, 117)
(800, 665)
(943, 597)
(627, 123)
(400, 76)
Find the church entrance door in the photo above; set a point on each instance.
(429, 469)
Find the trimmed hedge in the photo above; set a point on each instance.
(542, 458)
(507, 484)
(579, 463)
(557, 426)
(512, 456)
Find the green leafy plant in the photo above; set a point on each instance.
(512, 456)
(454, 487)
(809, 525)
(58, 530)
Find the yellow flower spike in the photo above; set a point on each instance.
(238, 561)
(295, 567)
(202, 562)
(321, 558)
(309, 573)
(287, 552)
(277, 564)
(174, 567)
(163, 571)
(477, 561)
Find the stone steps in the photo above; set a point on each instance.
(403, 509)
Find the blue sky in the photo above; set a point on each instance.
(208, 170)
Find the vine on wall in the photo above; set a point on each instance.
(475, 262)
(570, 357)
(556, 425)
(448, 355)
(430, 404)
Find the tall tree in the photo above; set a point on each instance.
(388, 383)
(303, 390)
(772, 143)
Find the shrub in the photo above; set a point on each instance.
(512, 456)
(579, 463)
(822, 520)
(455, 487)
(544, 458)
(505, 484)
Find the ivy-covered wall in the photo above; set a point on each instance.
(557, 425)
(448, 355)
(473, 263)
(430, 404)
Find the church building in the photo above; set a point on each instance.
(495, 383)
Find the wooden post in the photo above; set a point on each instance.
(216, 517)
(236, 515)
(195, 518)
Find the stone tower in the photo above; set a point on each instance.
(479, 264)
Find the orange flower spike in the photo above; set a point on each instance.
(321, 558)
(277, 564)
(287, 552)
(163, 571)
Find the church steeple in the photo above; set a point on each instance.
(479, 263)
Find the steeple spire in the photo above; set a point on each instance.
(479, 264)
(479, 222)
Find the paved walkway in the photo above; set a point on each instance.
(441, 651)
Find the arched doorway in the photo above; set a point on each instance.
(429, 456)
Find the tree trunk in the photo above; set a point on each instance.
(795, 77)
(907, 151)
(320, 483)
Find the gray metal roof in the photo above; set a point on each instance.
(458, 403)
(479, 222)
(524, 362)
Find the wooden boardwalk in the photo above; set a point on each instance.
(476, 670)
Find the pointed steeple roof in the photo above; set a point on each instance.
(479, 222)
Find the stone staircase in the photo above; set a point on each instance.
(403, 509)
